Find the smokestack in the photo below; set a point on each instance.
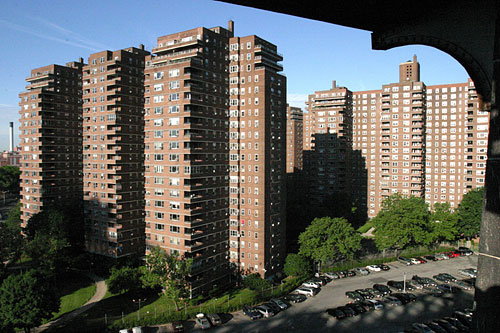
(230, 26)
(11, 136)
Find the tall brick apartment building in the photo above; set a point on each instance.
(427, 141)
(51, 137)
(183, 148)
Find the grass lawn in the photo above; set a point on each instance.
(365, 227)
(74, 290)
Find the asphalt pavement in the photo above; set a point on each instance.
(311, 316)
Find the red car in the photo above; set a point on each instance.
(450, 254)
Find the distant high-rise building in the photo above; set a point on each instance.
(51, 141)
(113, 145)
(257, 160)
(294, 144)
(186, 151)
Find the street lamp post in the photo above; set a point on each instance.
(404, 282)
(139, 300)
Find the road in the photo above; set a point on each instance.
(310, 316)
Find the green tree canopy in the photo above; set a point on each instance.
(443, 222)
(256, 282)
(124, 279)
(296, 265)
(9, 179)
(10, 239)
(402, 222)
(470, 212)
(168, 271)
(25, 300)
(329, 239)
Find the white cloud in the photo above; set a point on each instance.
(297, 100)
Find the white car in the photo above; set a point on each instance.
(373, 268)
(311, 284)
(415, 261)
(306, 291)
(441, 256)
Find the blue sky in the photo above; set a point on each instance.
(39, 33)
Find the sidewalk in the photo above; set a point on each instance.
(100, 291)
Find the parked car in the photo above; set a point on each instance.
(416, 284)
(382, 288)
(450, 254)
(377, 305)
(295, 298)
(362, 271)
(354, 296)
(374, 292)
(435, 327)
(415, 261)
(405, 261)
(445, 277)
(446, 325)
(332, 275)
(448, 288)
(351, 273)
(280, 303)
(384, 267)
(431, 258)
(349, 312)
(214, 319)
(202, 321)
(364, 293)
(311, 284)
(274, 307)
(391, 300)
(306, 291)
(358, 309)
(436, 292)
(319, 281)
(178, 326)
(337, 313)
(374, 268)
(469, 272)
(252, 313)
(405, 298)
(463, 317)
(464, 252)
(398, 285)
(441, 256)
(265, 311)
(422, 260)
(422, 328)
(457, 323)
(342, 274)
(464, 285)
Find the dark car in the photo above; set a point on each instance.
(347, 311)
(448, 288)
(430, 258)
(371, 305)
(436, 292)
(357, 308)
(435, 327)
(178, 326)
(398, 285)
(364, 293)
(463, 317)
(295, 298)
(351, 273)
(252, 313)
(214, 319)
(446, 326)
(342, 274)
(337, 313)
(354, 296)
(384, 267)
(382, 288)
(273, 306)
(402, 297)
(445, 277)
(374, 292)
(404, 260)
(457, 323)
(391, 300)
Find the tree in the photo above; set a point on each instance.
(296, 264)
(9, 179)
(470, 211)
(10, 239)
(170, 272)
(49, 235)
(329, 239)
(25, 300)
(443, 222)
(402, 222)
(256, 282)
(124, 279)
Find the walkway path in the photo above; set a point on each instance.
(100, 291)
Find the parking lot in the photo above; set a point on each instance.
(311, 315)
